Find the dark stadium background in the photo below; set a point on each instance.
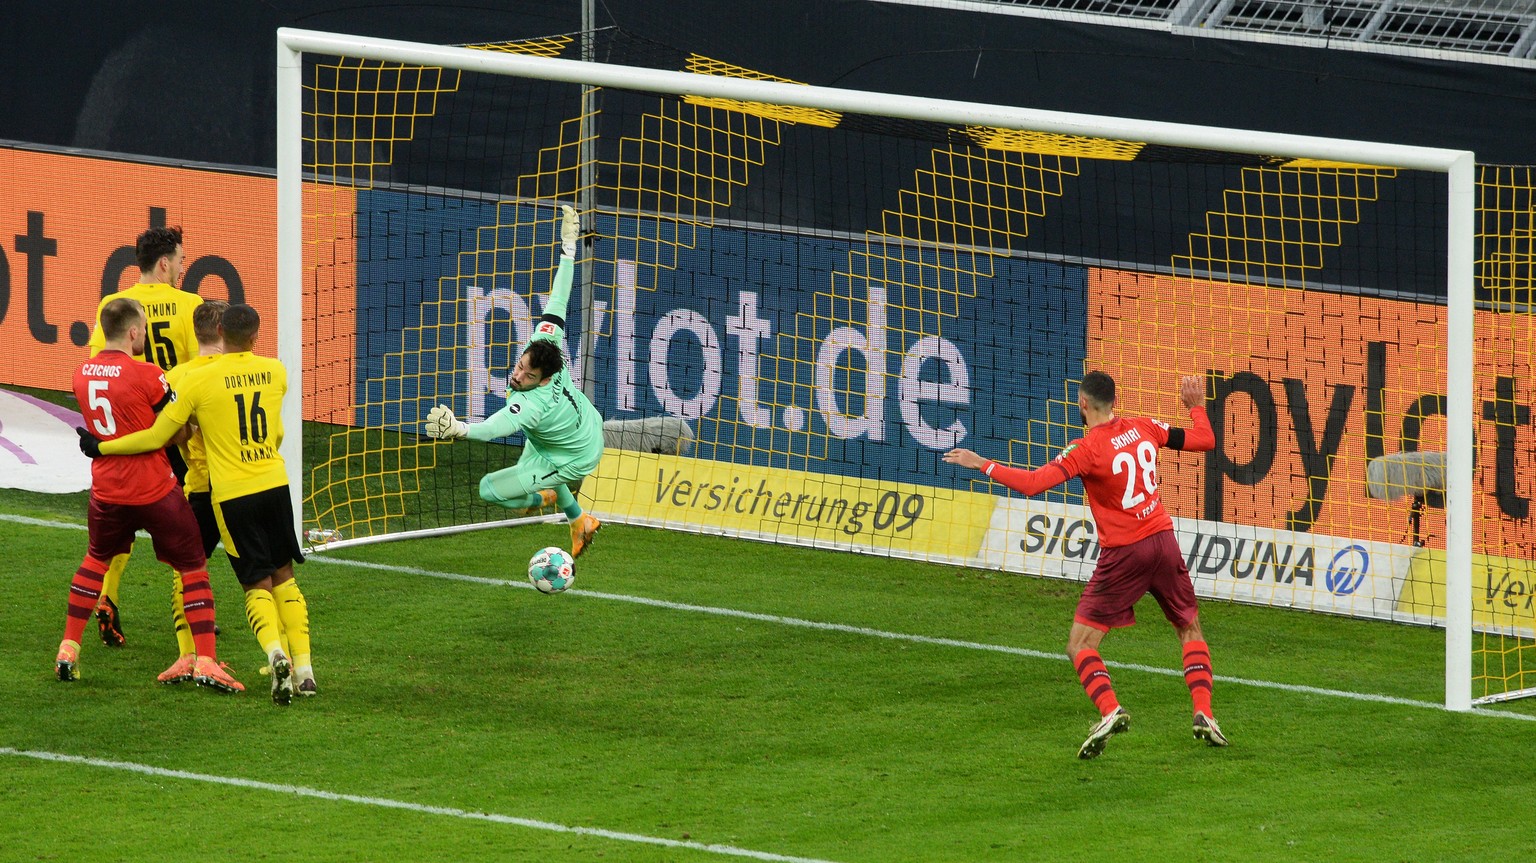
(193, 81)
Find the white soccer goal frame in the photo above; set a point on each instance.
(1457, 165)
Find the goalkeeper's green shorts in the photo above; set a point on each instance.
(536, 472)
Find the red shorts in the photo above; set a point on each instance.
(169, 522)
(1125, 574)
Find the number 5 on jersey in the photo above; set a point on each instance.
(96, 392)
(160, 350)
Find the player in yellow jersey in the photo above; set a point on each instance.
(168, 342)
(238, 402)
(210, 346)
(171, 338)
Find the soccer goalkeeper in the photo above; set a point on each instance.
(563, 431)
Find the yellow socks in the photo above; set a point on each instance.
(114, 577)
(293, 611)
(261, 613)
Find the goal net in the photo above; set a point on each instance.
(791, 300)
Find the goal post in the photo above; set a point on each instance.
(835, 350)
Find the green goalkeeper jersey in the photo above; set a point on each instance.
(557, 419)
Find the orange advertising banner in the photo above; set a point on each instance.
(67, 227)
(1309, 386)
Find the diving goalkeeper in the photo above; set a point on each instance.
(563, 431)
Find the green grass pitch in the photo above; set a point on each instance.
(696, 698)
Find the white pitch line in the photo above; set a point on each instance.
(386, 803)
(859, 630)
(38, 522)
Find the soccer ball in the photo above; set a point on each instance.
(552, 569)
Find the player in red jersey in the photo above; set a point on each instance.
(119, 395)
(1117, 461)
(170, 343)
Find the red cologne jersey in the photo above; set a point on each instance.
(120, 395)
(1117, 462)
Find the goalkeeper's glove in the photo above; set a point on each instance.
(442, 425)
(570, 230)
(90, 445)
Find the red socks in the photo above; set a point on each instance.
(1197, 674)
(1095, 678)
(197, 601)
(84, 592)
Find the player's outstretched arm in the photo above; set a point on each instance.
(153, 438)
(499, 424)
(443, 425)
(560, 289)
(965, 458)
(1201, 437)
(1019, 479)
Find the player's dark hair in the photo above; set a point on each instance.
(206, 319)
(545, 356)
(240, 324)
(1099, 387)
(155, 244)
(118, 315)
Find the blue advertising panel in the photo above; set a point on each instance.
(857, 357)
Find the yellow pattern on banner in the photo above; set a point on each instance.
(791, 505)
(1503, 589)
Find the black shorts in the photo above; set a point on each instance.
(257, 530)
(207, 522)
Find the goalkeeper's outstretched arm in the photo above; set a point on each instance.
(497, 425)
(443, 425)
(560, 290)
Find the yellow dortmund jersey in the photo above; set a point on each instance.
(192, 451)
(170, 339)
(238, 402)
